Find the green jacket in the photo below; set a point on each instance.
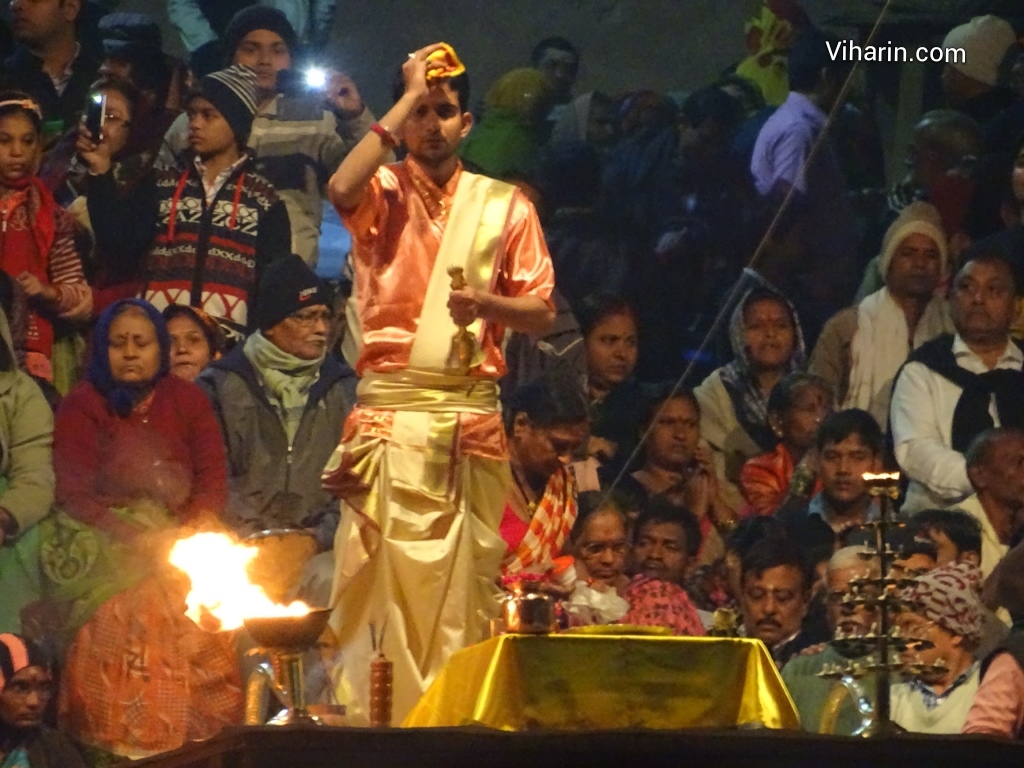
(26, 481)
(26, 440)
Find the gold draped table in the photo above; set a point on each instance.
(577, 682)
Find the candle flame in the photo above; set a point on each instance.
(222, 596)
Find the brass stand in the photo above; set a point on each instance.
(880, 594)
(286, 639)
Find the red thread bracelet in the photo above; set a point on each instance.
(386, 136)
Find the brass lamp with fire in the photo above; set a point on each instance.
(223, 597)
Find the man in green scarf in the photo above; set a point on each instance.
(281, 401)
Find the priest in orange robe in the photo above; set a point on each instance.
(422, 468)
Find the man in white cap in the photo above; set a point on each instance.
(861, 348)
(970, 77)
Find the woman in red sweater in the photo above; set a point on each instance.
(139, 459)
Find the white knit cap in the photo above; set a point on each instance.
(917, 218)
(985, 41)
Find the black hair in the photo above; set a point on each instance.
(590, 503)
(150, 72)
(809, 55)
(712, 103)
(17, 109)
(660, 510)
(853, 421)
(659, 396)
(211, 330)
(751, 93)
(762, 293)
(987, 253)
(598, 307)
(774, 553)
(905, 541)
(109, 83)
(556, 42)
(785, 392)
(959, 527)
(752, 530)
(548, 401)
(459, 84)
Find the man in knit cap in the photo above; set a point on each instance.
(203, 23)
(970, 78)
(861, 349)
(281, 401)
(26, 690)
(947, 612)
(211, 228)
(298, 140)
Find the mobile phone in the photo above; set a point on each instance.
(96, 115)
(295, 82)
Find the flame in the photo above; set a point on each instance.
(222, 596)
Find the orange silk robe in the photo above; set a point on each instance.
(396, 234)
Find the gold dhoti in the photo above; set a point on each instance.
(419, 550)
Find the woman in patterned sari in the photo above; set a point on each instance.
(138, 458)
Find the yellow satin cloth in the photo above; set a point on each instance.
(576, 682)
(419, 551)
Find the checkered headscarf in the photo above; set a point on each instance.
(949, 597)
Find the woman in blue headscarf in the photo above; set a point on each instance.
(139, 459)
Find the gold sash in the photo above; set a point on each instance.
(426, 408)
(479, 211)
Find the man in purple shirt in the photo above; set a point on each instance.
(812, 257)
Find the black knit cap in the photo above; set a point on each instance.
(258, 17)
(233, 91)
(288, 286)
(17, 653)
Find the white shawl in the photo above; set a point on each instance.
(882, 344)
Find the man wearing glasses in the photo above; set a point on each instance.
(281, 400)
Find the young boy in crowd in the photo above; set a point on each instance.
(211, 229)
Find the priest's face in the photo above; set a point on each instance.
(436, 127)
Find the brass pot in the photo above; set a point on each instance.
(530, 613)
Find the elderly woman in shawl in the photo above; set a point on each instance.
(862, 348)
(767, 344)
(511, 131)
(138, 458)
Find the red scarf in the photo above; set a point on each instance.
(28, 224)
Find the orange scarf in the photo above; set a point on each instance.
(549, 527)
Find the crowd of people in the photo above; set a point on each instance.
(682, 432)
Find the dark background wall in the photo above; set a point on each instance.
(669, 45)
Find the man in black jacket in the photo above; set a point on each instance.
(51, 63)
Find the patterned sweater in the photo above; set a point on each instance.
(298, 146)
(209, 256)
